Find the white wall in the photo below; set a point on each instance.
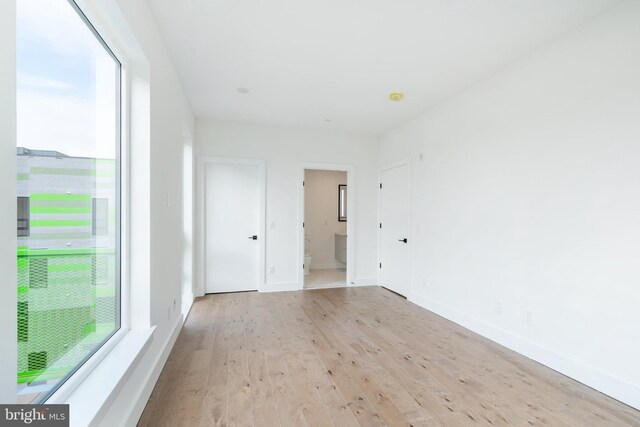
(321, 216)
(188, 177)
(8, 295)
(284, 150)
(528, 196)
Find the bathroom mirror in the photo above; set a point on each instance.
(342, 203)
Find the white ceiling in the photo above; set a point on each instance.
(305, 62)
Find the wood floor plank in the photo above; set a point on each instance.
(214, 406)
(356, 356)
(239, 408)
(329, 394)
(262, 393)
(298, 326)
(289, 407)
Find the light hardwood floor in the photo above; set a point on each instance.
(356, 356)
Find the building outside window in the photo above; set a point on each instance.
(68, 254)
(23, 216)
(100, 216)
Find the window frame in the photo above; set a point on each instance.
(83, 369)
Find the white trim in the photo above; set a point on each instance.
(363, 281)
(8, 294)
(187, 302)
(125, 197)
(351, 216)
(592, 377)
(188, 222)
(281, 287)
(203, 161)
(133, 414)
(383, 168)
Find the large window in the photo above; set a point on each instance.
(23, 216)
(68, 254)
(100, 216)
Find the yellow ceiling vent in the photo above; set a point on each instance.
(396, 96)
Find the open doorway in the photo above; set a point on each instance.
(325, 226)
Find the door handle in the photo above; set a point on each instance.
(254, 237)
(403, 240)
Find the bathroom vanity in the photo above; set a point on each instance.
(341, 247)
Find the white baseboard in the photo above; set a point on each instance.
(281, 287)
(360, 281)
(134, 412)
(187, 303)
(295, 286)
(592, 377)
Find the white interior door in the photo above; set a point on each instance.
(232, 227)
(395, 269)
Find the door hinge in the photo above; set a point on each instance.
(303, 183)
(380, 225)
(303, 266)
(380, 185)
(380, 265)
(303, 225)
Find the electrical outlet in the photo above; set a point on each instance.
(168, 200)
(528, 318)
(498, 307)
(272, 225)
(272, 270)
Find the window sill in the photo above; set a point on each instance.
(98, 389)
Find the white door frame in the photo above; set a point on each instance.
(203, 161)
(381, 169)
(351, 216)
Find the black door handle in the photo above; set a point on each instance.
(403, 240)
(254, 237)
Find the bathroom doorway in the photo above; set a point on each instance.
(326, 238)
